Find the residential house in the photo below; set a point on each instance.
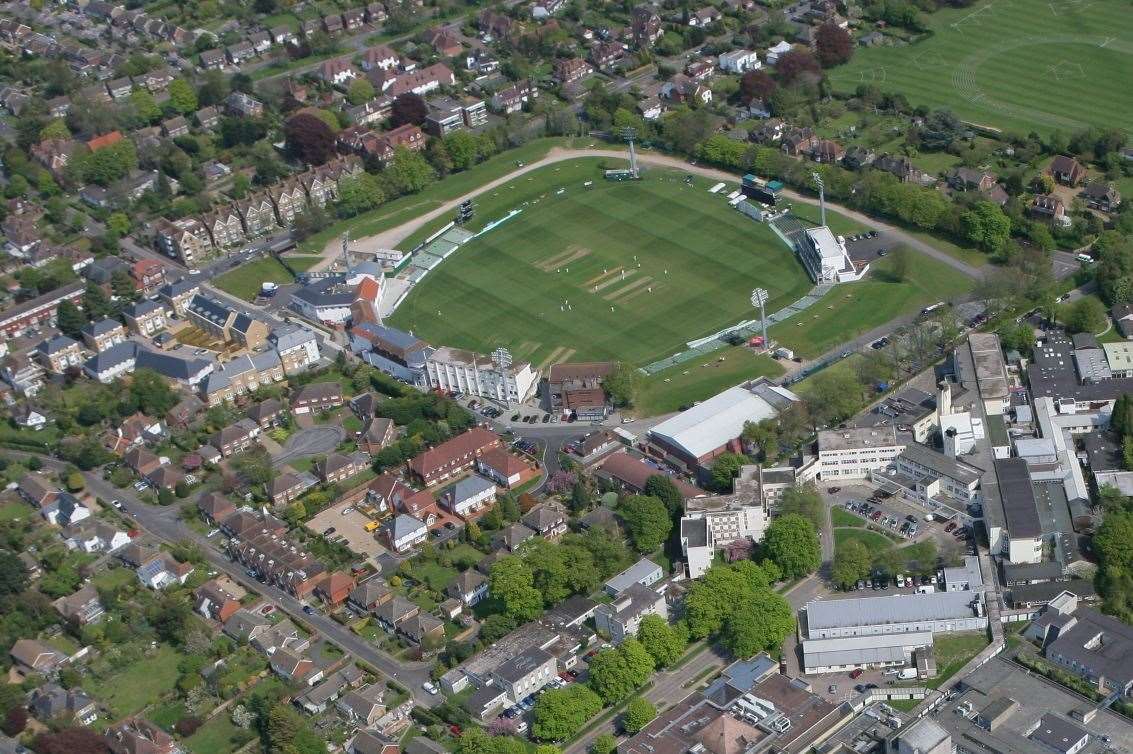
(548, 520)
(160, 570)
(969, 179)
(511, 99)
(1066, 170)
(136, 735)
(371, 742)
(404, 532)
(103, 334)
(738, 61)
(338, 71)
(298, 348)
(1050, 207)
(146, 318)
(59, 353)
(94, 535)
(289, 200)
(37, 490)
(335, 588)
(186, 239)
(317, 397)
(218, 599)
(362, 707)
(469, 495)
(1101, 196)
(242, 105)
(568, 70)
(178, 295)
(33, 656)
(82, 607)
(215, 507)
(236, 438)
(826, 151)
(506, 469)
(704, 17)
(325, 692)
(469, 587)
(338, 467)
(224, 227)
(64, 510)
(645, 26)
(511, 537)
(257, 213)
(52, 703)
(116, 361)
(368, 595)
(149, 274)
(268, 413)
(376, 434)
(452, 456)
(622, 617)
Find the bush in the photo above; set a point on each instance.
(187, 726)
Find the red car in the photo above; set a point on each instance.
(856, 673)
(455, 730)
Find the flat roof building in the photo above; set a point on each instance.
(937, 612)
(842, 654)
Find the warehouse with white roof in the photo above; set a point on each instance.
(692, 438)
(938, 612)
(840, 655)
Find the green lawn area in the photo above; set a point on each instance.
(303, 262)
(435, 575)
(508, 287)
(841, 517)
(698, 379)
(840, 224)
(112, 578)
(464, 555)
(218, 736)
(302, 464)
(130, 689)
(244, 281)
(874, 541)
(974, 257)
(855, 308)
(1015, 66)
(352, 423)
(401, 210)
(14, 510)
(953, 651)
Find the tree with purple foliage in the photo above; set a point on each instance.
(561, 481)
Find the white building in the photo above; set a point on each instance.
(712, 523)
(298, 348)
(623, 616)
(776, 52)
(937, 612)
(461, 371)
(644, 572)
(927, 473)
(960, 430)
(856, 453)
(846, 653)
(826, 259)
(739, 61)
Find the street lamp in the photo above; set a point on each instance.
(759, 298)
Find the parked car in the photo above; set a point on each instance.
(951, 526)
(833, 490)
(429, 687)
(856, 673)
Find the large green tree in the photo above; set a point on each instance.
(664, 642)
(792, 543)
(617, 672)
(639, 713)
(725, 468)
(851, 563)
(759, 625)
(647, 521)
(561, 713)
(513, 583)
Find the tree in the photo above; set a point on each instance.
(1087, 315)
(617, 672)
(560, 713)
(759, 625)
(70, 741)
(834, 395)
(183, 96)
(13, 574)
(665, 643)
(512, 582)
(792, 544)
(639, 713)
(604, 744)
(662, 487)
(725, 468)
(70, 320)
(408, 172)
(757, 85)
(96, 303)
(797, 65)
(804, 501)
(359, 91)
(463, 149)
(152, 393)
(118, 223)
(408, 108)
(622, 384)
(75, 482)
(647, 521)
(55, 129)
(15, 721)
(986, 226)
(145, 106)
(309, 138)
(123, 286)
(358, 194)
(899, 263)
(851, 563)
(939, 130)
(833, 44)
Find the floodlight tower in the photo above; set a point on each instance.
(821, 195)
(759, 298)
(629, 134)
(346, 253)
(502, 358)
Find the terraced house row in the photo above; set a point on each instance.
(190, 239)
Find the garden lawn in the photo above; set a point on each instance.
(952, 652)
(218, 736)
(434, 575)
(689, 263)
(303, 262)
(1013, 66)
(841, 517)
(852, 309)
(874, 541)
(701, 378)
(14, 510)
(244, 281)
(405, 208)
(130, 689)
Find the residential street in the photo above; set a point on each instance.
(165, 523)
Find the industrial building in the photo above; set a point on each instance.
(938, 612)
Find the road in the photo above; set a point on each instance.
(391, 238)
(165, 524)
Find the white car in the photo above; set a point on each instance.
(213, 532)
(429, 687)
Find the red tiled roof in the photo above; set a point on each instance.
(635, 473)
(427, 462)
(105, 140)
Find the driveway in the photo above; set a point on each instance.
(314, 441)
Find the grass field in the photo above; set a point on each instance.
(874, 541)
(842, 517)
(244, 281)
(1017, 66)
(634, 261)
(132, 688)
(856, 308)
(698, 379)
